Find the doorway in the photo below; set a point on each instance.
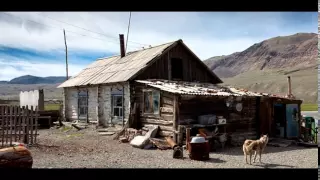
(280, 120)
(176, 69)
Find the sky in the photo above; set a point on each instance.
(32, 43)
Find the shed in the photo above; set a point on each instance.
(175, 105)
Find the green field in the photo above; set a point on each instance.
(309, 107)
(49, 107)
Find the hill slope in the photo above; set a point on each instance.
(295, 51)
(264, 66)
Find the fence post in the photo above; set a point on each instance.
(7, 122)
(10, 124)
(2, 125)
(31, 124)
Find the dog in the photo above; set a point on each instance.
(256, 146)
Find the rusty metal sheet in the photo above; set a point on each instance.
(200, 89)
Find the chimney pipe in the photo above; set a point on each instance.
(289, 87)
(122, 50)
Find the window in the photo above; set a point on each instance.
(117, 105)
(83, 103)
(151, 102)
(176, 69)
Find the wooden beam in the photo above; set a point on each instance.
(175, 121)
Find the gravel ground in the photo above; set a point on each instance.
(63, 148)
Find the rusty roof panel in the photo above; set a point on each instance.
(200, 89)
(115, 68)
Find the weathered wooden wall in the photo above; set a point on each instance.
(164, 119)
(193, 70)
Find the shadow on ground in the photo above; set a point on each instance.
(271, 165)
(237, 151)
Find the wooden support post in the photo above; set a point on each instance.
(175, 120)
(180, 135)
(187, 137)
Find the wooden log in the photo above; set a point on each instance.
(156, 122)
(18, 156)
(166, 134)
(166, 110)
(161, 128)
(167, 101)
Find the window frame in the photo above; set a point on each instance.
(119, 107)
(151, 103)
(83, 95)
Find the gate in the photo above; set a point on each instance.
(18, 124)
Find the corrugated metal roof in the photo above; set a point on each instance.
(201, 89)
(116, 69)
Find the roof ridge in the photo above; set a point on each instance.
(103, 58)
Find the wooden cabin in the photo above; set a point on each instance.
(104, 93)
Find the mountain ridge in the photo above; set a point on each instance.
(294, 51)
(29, 79)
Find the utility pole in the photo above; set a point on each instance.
(65, 43)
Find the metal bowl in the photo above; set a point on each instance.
(198, 140)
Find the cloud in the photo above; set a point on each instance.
(207, 34)
(12, 69)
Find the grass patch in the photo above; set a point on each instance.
(309, 107)
(49, 107)
(65, 128)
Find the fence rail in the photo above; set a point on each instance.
(18, 124)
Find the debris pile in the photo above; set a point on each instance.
(145, 138)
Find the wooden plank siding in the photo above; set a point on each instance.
(164, 119)
(193, 70)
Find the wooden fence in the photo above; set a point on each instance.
(18, 124)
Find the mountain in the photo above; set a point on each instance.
(28, 79)
(294, 51)
(264, 66)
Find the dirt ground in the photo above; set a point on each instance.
(69, 148)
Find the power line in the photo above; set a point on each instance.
(85, 28)
(59, 28)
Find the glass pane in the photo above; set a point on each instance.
(156, 101)
(119, 101)
(115, 111)
(82, 111)
(120, 114)
(147, 102)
